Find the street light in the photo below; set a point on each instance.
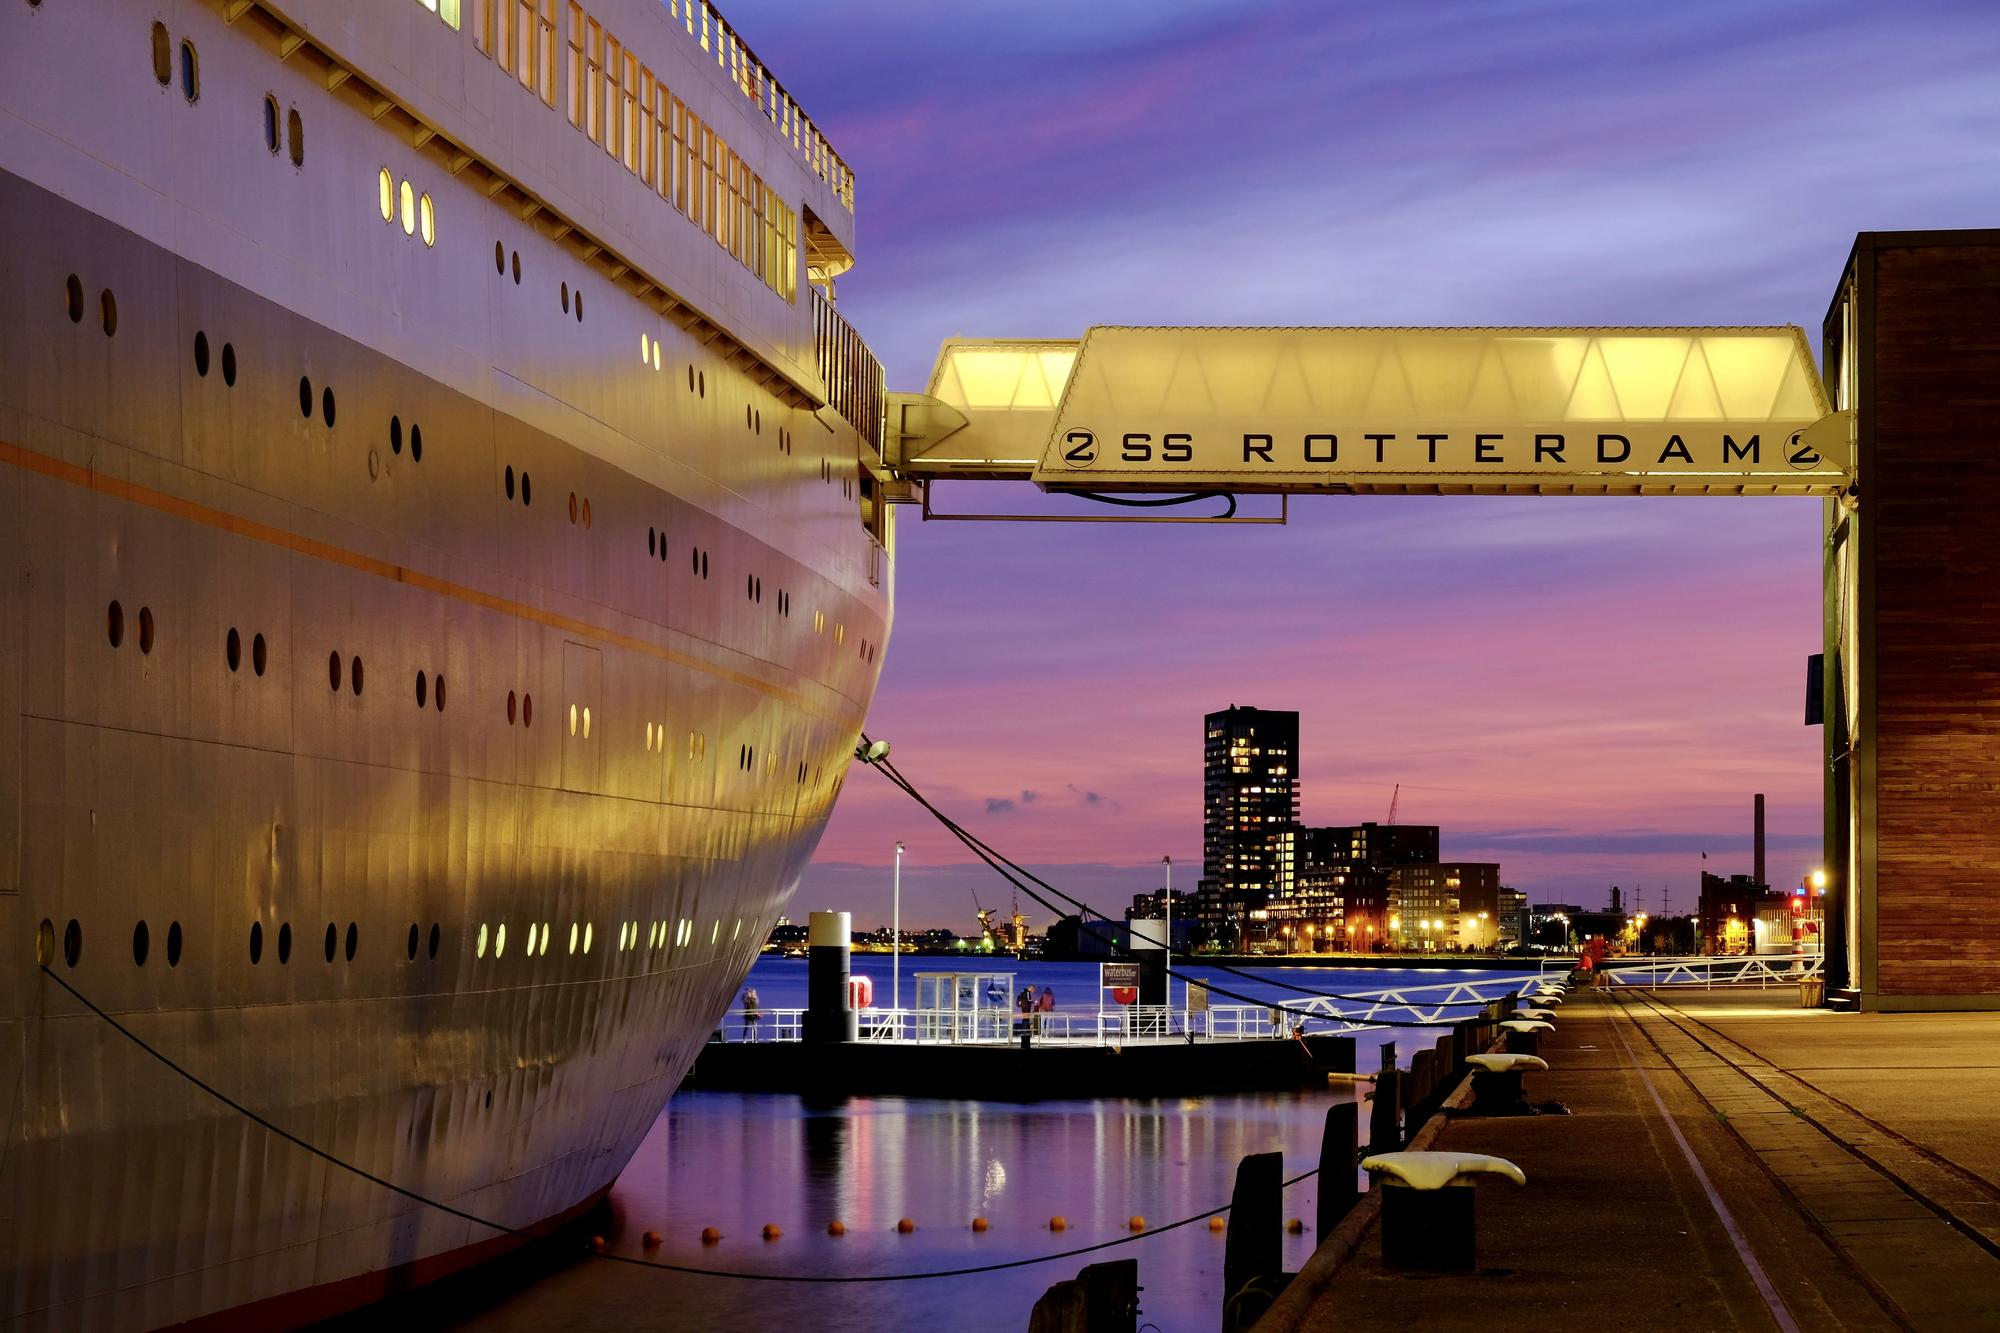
(1168, 862)
(896, 938)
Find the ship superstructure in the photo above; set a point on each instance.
(442, 578)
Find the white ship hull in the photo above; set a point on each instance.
(433, 807)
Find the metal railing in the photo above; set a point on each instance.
(852, 375)
(1760, 970)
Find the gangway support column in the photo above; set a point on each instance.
(829, 942)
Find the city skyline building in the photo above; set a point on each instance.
(1249, 792)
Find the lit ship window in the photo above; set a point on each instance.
(479, 946)
(387, 183)
(408, 198)
(427, 220)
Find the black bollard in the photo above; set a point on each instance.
(1337, 1192)
(1498, 1092)
(1385, 1114)
(1423, 1078)
(1524, 1043)
(828, 943)
(1428, 1231)
(1252, 1246)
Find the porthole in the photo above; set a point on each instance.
(565, 298)
(354, 677)
(527, 710)
(527, 494)
(509, 481)
(704, 564)
(479, 946)
(656, 354)
(353, 939)
(436, 936)
(256, 943)
(586, 937)
(332, 940)
(572, 719)
(500, 259)
(145, 629)
(73, 942)
(529, 948)
(517, 268)
(233, 649)
(690, 377)
(285, 943)
(759, 423)
(305, 397)
(586, 511)
(422, 690)
(586, 723)
(407, 198)
(395, 435)
(437, 693)
(701, 383)
(174, 944)
(73, 298)
(229, 364)
(45, 943)
(652, 540)
(500, 939)
(645, 349)
(190, 72)
(510, 708)
(427, 219)
(114, 624)
(694, 560)
(572, 506)
(489, 1099)
(107, 306)
(271, 123)
(416, 444)
(326, 406)
(333, 671)
(386, 188)
(142, 944)
(257, 654)
(579, 305)
(572, 937)
(201, 354)
(163, 55)
(295, 131)
(746, 416)
(412, 947)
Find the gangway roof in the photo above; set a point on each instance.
(1381, 410)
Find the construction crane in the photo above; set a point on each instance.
(1394, 796)
(1010, 936)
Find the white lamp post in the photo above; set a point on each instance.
(896, 941)
(1168, 862)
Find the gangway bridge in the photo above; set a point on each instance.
(1284, 411)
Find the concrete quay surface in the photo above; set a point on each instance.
(1731, 1162)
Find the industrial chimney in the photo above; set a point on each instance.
(1759, 852)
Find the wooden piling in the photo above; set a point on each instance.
(1385, 1114)
(1103, 1298)
(1253, 1246)
(1337, 1192)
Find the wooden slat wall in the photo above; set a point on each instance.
(1932, 508)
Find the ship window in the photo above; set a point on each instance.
(354, 677)
(412, 946)
(73, 942)
(436, 935)
(271, 123)
(746, 416)
(142, 944)
(408, 200)
(572, 937)
(704, 564)
(285, 943)
(427, 219)
(527, 496)
(326, 406)
(701, 384)
(510, 708)
(645, 349)
(586, 936)
(353, 938)
(586, 722)
(73, 294)
(423, 687)
(572, 719)
(295, 133)
(437, 693)
(107, 305)
(500, 259)
(333, 671)
(572, 506)
(386, 184)
(656, 353)
(190, 72)
(586, 511)
(509, 481)
(395, 435)
(517, 268)
(565, 298)
(579, 306)
(201, 353)
(527, 710)
(163, 55)
(652, 540)
(256, 942)
(690, 377)
(479, 946)
(229, 364)
(233, 649)
(174, 945)
(114, 624)
(145, 629)
(500, 939)
(416, 443)
(332, 940)
(305, 397)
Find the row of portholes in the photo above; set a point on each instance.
(753, 420)
(201, 358)
(867, 651)
(566, 302)
(656, 738)
(433, 688)
(746, 757)
(584, 936)
(784, 441)
(232, 651)
(354, 674)
(574, 716)
(649, 351)
(107, 305)
(306, 401)
(785, 604)
(526, 706)
(656, 543)
(697, 382)
(527, 494)
(416, 439)
(419, 215)
(574, 512)
(753, 588)
(697, 745)
(500, 262)
(295, 130)
(114, 626)
(163, 63)
(698, 559)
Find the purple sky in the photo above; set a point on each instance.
(1587, 691)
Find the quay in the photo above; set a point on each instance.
(1729, 1161)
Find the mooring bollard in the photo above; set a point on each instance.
(1429, 1224)
(1337, 1143)
(1253, 1248)
(1444, 1069)
(1385, 1113)
(828, 943)
(1496, 1083)
(1103, 1298)
(1523, 1035)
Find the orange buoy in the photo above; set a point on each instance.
(1296, 1227)
(1218, 1223)
(906, 1226)
(651, 1240)
(979, 1224)
(836, 1228)
(1059, 1223)
(709, 1235)
(1136, 1222)
(771, 1231)
(597, 1244)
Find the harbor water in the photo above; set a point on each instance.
(737, 1162)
